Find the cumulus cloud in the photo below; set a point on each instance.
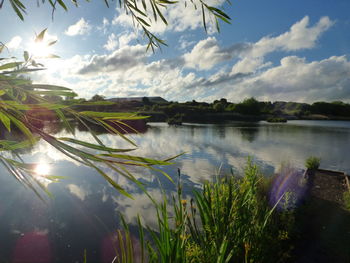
(234, 72)
(81, 27)
(77, 191)
(178, 16)
(184, 42)
(119, 41)
(300, 80)
(300, 36)
(120, 60)
(112, 42)
(14, 43)
(208, 53)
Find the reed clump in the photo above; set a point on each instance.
(229, 220)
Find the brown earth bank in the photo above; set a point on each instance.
(323, 223)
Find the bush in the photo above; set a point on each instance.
(312, 163)
(346, 199)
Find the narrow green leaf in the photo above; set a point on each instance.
(10, 65)
(52, 56)
(26, 55)
(161, 15)
(143, 21)
(94, 146)
(14, 145)
(61, 3)
(136, 158)
(22, 127)
(16, 9)
(110, 180)
(40, 37)
(65, 122)
(24, 70)
(49, 87)
(5, 120)
(54, 93)
(126, 118)
(203, 18)
(52, 43)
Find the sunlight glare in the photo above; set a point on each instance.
(39, 49)
(42, 169)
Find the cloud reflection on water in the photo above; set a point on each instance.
(86, 209)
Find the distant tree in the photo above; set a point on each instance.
(249, 106)
(218, 106)
(97, 98)
(326, 108)
(146, 101)
(223, 101)
(11, 83)
(230, 107)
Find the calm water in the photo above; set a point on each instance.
(84, 211)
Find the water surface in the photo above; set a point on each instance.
(84, 212)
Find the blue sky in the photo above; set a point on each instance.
(273, 50)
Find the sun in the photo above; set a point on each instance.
(39, 49)
(42, 169)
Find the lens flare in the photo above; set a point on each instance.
(42, 169)
(288, 189)
(39, 49)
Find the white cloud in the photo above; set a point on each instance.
(120, 41)
(14, 43)
(126, 38)
(207, 53)
(104, 26)
(296, 79)
(300, 36)
(127, 71)
(112, 42)
(179, 18)
(118, 61)
(248, 65)
(77, 191)
(81, 27)
(185, 42)
(105, 22)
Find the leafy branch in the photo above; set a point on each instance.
(20, 102)
(142, 12)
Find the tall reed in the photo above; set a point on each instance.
(230, 220)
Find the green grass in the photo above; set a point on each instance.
(312, 163)
(228, 221)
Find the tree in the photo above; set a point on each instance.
(15, 91)
(249, 106)
(146, 101)
(97, 97)
(21, 103)
(143, 15)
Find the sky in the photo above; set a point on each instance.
(290, 50)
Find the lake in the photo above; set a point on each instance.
(84, 212)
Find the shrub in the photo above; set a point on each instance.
(346, 199)
(312, 163)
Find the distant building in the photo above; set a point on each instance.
(139, 99)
